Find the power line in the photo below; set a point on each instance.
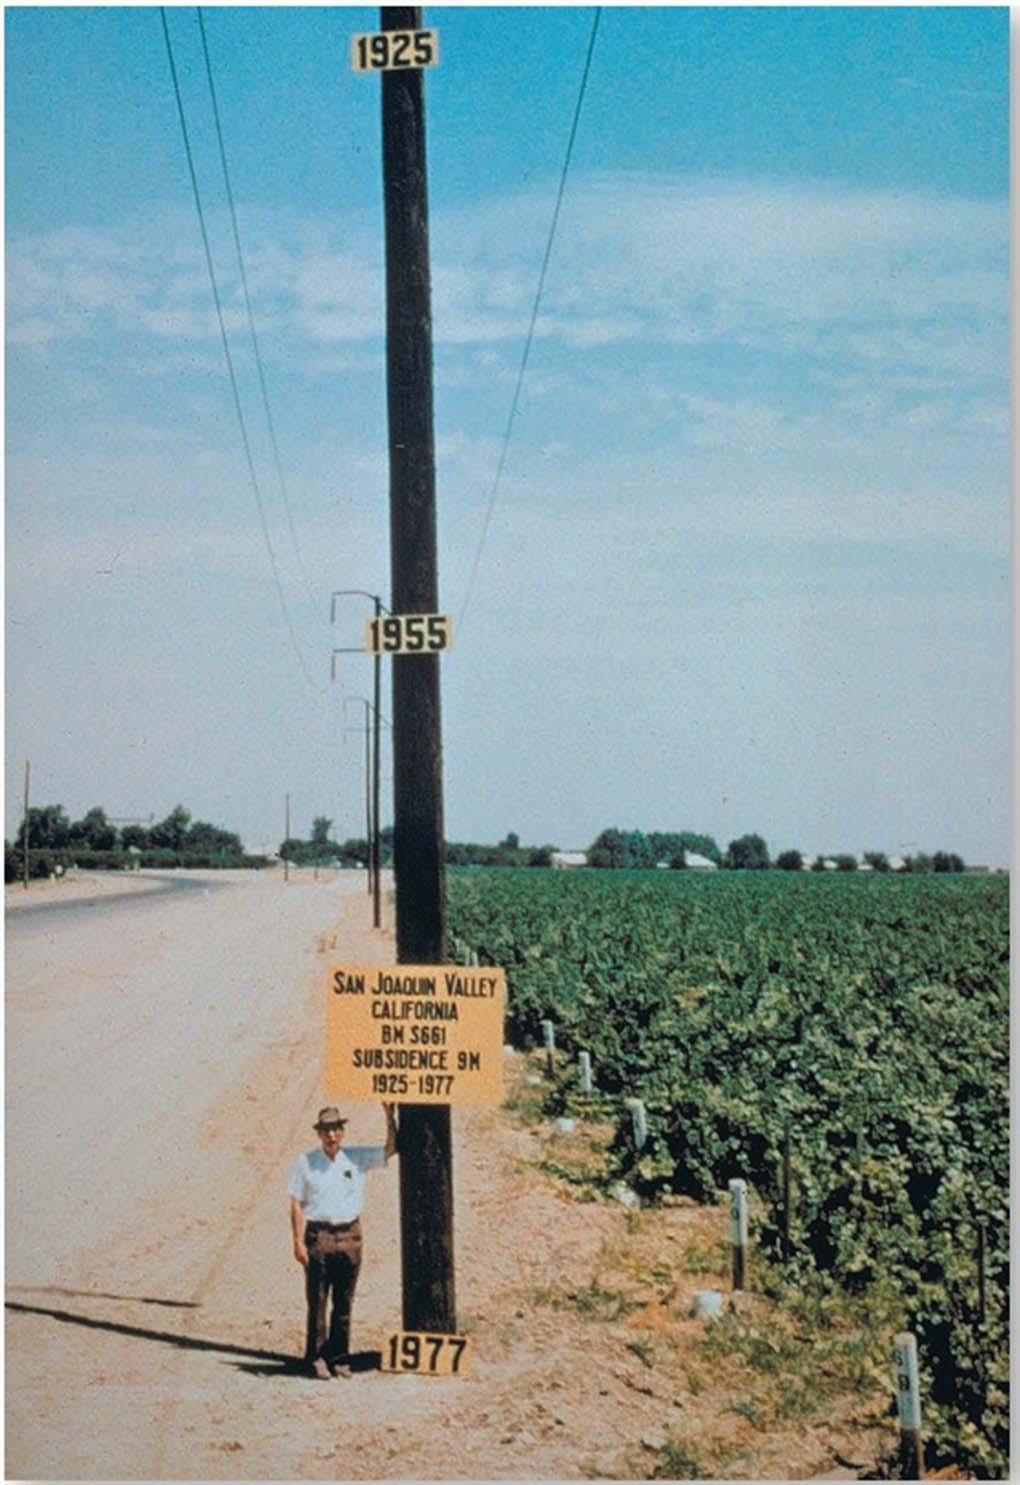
(229, 359)
(251, 318)
(534, 314)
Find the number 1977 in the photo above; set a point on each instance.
(417, 1351)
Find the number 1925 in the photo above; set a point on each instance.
(418, 1351)
(388, 51)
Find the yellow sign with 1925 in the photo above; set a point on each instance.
(415, 1033)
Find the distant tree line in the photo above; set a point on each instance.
(612, 849)
(634, 850)
(56, 843)
(509, 852)
(320, 850)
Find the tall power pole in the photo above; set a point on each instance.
(426, 1167)
(24, 843)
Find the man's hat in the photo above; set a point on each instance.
(327, 1116)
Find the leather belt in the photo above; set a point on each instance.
(331, 1226)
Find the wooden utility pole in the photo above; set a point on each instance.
(426, 1166)
(24, 842)
(373, 843)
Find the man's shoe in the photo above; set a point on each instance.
(319, 1369)
(339, 1369)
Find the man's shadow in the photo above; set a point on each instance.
(263, 1363)
(360, 1361)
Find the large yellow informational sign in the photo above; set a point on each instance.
(415, 1033)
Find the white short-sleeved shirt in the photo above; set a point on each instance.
(333, 1190)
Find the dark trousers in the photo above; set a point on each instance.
(334, 1258)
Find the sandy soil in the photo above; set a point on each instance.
(164, 1063)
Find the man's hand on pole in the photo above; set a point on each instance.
(391, 1129)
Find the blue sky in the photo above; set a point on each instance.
(748, 567)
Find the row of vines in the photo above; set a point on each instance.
(864, 1021)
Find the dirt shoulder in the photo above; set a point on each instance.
(166, 1350)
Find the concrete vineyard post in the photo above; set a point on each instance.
(549, 1042)
(786, 1193)
(738, 1231)
(584, 1068)
(908, 1398)
(638, 1121)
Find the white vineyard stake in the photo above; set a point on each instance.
(549, 1039)
(640, 1123)
(738, 1231)
(584, 1065)
(908, 1398)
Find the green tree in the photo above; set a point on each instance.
(169, 834)
(205, 838)
(320, 830)
(93, 832)
(947, 861)
(701, 845)
(790, 861)
(749, 853)
(48, 828)
(606, 850)
(877, 860)
(845, 862)
(615, 848)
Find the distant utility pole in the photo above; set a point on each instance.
(286, 839)
(24, 843)
(371, 822)
(426, 1166)
(373, 841)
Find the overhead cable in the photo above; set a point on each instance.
(534, 315)
(229, 360)
(251, 318)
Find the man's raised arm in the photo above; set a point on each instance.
(391, 1130)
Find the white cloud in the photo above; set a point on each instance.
(869, 275)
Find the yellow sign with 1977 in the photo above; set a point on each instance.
(415, 1033)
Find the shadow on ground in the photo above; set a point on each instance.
(262, 1364)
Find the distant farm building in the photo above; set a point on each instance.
(565, 860)
(698, 863)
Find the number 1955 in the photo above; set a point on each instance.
(409, 634)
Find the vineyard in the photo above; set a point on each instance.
(860, 1022)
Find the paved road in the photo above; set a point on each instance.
(31, 916)
(126, 1017)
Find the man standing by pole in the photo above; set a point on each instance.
(326, 1194)
(426, 1177)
